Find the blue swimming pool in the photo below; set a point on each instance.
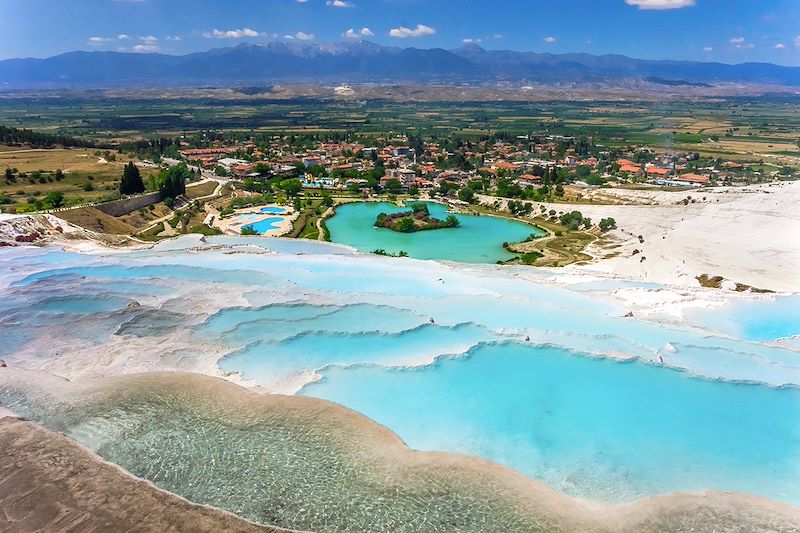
(263, 226)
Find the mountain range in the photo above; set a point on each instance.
(362, 61)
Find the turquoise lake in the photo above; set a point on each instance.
(479, 239)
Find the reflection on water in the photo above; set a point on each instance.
(304, 466)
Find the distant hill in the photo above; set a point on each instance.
(359, 61)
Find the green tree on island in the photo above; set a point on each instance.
(404, 225)
(131, 180)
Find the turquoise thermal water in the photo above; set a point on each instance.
(593, 428)
(281, 313)
(272, 210)
(479, 239)
(763, 320)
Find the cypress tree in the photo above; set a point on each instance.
(131, 182)
(136, 178)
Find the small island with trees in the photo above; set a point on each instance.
(418, 219)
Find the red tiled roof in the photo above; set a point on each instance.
(630, 168)
(693, 178)
(658, 171)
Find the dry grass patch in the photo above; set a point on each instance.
(95, 220)
(143, 218)
(68, 160)
(201, 189)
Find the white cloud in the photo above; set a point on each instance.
(97, 41)
(708, 49)
(302, 36)
(549, 40)
(302, 1)
(230, 34)
(404, 33)
(470, 40)
(174, 38)
(339, 3)
(741, 43)
(780, 46)
(123, 37)
(143, 48)
(149, 39)
(660, 4)
(797, 41)
(498, 36)
(356, 34)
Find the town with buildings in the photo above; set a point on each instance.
(532, 167)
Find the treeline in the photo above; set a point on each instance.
(15, 136)
(153, 149)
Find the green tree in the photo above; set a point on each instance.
(607, 224)
(55, 199)
(131, 182)
(171, 182)
(466, 194)
(394, 186)
(404, 225)
(292, 187)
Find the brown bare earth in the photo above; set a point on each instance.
(50, 483)
(95, 220)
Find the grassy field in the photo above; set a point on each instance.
(200, 190)
(87, 175)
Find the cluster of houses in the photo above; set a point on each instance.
(344, 164)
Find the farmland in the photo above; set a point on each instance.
(743, 127)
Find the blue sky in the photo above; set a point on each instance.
(730, 31)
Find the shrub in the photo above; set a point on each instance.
(530, 257)
(204, 230)
(607, 224)
(404, 225)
